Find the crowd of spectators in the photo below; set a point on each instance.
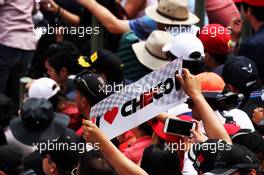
(55, 43)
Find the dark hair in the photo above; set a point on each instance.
(10, 160)
(94, 163)
(146, 128)
(219, 58)
(55, 48)
(258, 12)
(66, 59)
(195, 67)
(157, 160)
(7, 110)
(107, 60)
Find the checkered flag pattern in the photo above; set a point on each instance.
(132, 91)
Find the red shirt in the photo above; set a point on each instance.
(135, 151)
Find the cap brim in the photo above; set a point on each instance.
(28, 137)
(151, 11)
(220, 172)
(146, 58)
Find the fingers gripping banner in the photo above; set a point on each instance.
(141, 101)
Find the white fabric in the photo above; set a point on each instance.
(188, 168)
(43, 88)
(240, 117)
(183, 45)
(17, 145)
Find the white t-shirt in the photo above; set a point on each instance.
(240, 117)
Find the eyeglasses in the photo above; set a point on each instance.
(74, 171)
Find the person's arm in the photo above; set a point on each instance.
(132, 7)
(213, 126)
(106, 18)
(121, 164)
(66, 16)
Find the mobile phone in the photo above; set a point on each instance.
(178, 127)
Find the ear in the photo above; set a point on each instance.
(53, 168)
(64, 72)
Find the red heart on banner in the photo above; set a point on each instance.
(111, 115)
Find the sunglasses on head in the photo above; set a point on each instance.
(79, 80)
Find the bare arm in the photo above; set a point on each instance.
(132, 7)
(213, 127)
(106, 18)
(66, 16)
(121, 164)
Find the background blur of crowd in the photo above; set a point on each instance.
(68, 49)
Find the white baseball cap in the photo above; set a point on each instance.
(184, 45)
(43, 88)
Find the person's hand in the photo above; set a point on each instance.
(236, 26)
(258, 115)
(50, 6)
(190, 84)
(198, 136)
(92, 134)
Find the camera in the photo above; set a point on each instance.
(223, 102)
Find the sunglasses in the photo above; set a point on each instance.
(82, 83)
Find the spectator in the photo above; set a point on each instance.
(258, 119)
(88, 91)
(136, 10)
(63, 159)
(217, 46)
(7, 110)
(149, 52)
(121, 164)
(17, 44)
(221, 11)
(189, 48)
(61, 66)
(241, 76)
(143, 134)
(93, 163)
(145, 25)
(158, 160)
(229, 159)
(212, 86)
(44, 51)
(109, 66)
(10, 161)
(251, 140)
(45, 88)
(37, 122)
(253, 47)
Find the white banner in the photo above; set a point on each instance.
(141, 101)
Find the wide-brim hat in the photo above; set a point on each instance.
(149, 52)
(172, 12)
(38, 122)
(28, 137)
